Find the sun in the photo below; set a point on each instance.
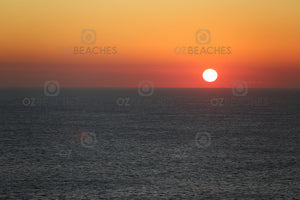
(210, 75)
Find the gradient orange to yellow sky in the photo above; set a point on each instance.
(263, 36)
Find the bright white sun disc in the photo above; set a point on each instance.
(210, 75)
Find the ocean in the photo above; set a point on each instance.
(115, 143)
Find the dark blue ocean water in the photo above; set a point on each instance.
(174, 144)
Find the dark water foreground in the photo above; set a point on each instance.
(175, 144)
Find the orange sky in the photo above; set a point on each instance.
(263, 37)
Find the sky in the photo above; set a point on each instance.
(119, 43)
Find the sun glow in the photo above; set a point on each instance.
(210, 75)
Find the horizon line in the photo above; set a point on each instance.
(138, 87)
